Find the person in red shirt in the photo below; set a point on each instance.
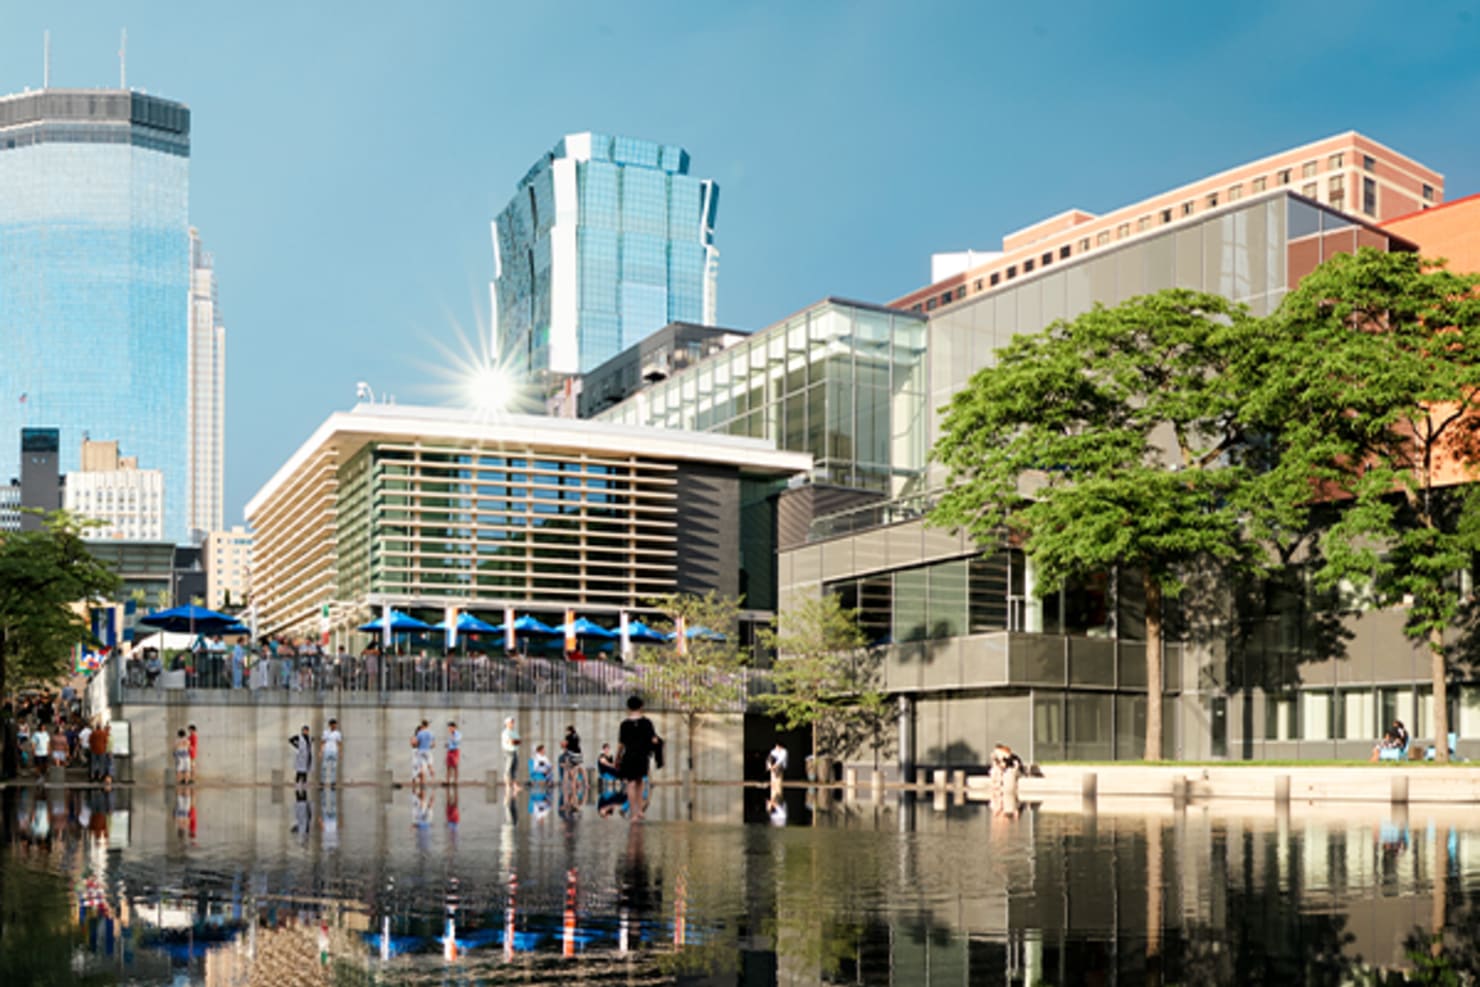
(194, 750)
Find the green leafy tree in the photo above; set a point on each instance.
(824, 675)
(1380, 369)
(46, 577)
(1110, 440)
(703, 676)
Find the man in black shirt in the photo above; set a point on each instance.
(636, 742)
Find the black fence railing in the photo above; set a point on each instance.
(294, 679)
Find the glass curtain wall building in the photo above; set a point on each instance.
(982, 656)
(95, 276)
(606, 240)
(841, 380)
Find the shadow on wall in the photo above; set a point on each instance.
(957, 754)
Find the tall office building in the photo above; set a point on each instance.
(606, 240)
(95, 275)
(112, 489)
(207, 392)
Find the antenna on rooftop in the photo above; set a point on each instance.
(46, 59)
(123, 59)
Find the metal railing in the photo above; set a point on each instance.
(296, 679)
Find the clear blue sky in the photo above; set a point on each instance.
(348, 158)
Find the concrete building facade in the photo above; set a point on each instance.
(207, 397)
(426, 509)
(112, 489)
(228, 559)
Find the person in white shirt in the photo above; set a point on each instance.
(329, 745)
(41, 749)
(776, 765)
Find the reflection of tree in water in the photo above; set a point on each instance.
(1452, 960)
(38, 940)
(1268, 939)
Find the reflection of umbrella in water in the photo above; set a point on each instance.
(400, 623)
(639, 632)
(189, 619)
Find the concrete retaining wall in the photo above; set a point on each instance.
(1372, 783)
(246, 742)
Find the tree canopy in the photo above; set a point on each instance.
(825, 676)
(1380, 381)
(1112, 440)
(45, 575)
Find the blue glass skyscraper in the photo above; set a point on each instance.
(95, 277)
(606, 240)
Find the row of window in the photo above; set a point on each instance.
(1284, 176)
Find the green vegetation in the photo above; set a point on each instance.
(825, 676)
(46, 577)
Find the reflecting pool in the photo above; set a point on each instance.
(386, 886)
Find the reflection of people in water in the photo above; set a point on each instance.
(776, 810)
(421, 817)
(302, 815)
(1007, 767)
(638, 892)
(539, 802)
(612, 800)
(330, 820)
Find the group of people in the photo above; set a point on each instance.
(1394, 740)
(45, 731)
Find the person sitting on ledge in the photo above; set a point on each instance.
(1390, 747)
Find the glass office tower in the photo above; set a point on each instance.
(95, 277)
(606, 240)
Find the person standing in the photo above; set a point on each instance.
(329, 745)
(776, 765)
(424, 744)
(83, 750)
(40, 750)
(97, 746)
(302, 756)
(509, 740)
(636, 742)
(454, 754)
(182, 758)
(194, 751)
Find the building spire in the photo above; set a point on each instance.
(123, 59)
(46, 59)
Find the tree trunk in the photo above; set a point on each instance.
(1441, 696)
(1153, 666)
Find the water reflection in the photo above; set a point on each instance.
(393, 886)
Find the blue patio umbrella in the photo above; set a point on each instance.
(400, 623)
(586, 628)
(530, 625)
(639, 632)
(189, 619)
(468, 624)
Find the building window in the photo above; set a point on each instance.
(930, 304)
(1334, 162)
(1369, 163)
(1212, 200)
(1064, 251)
(1336, 183)
(976, 285)
(996, 278)
(1235, 193)
(945, 298)
(1260, 184)
(916, 307)
(1122, 231)
(1308, 170)
(1187, 208)
(1027, 265)
(1047, 259)
(1166, 216)
(1284, 176)
(1084, 245)
(961, 291)
(1011, 271)
(1428, 192)
(1308, 190)
(1338, 199)
(1369, 196)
